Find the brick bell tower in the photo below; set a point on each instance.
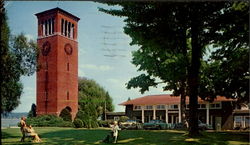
(57, 77)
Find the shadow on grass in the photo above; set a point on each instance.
(73, 136)
(13, 138)
(5, 135)
(225, 138)
(83, 136)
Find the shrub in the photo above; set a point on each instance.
(48, 121)
(123, 119)
(80, 114)
(66, 124)
(32, 112)
(103, 123)
(78, 123)
(66, 115)
(89, 120)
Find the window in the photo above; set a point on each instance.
(149, 107)
(247, 121)
(67, 28)
(173, 106)
(237, 121)
(48, 27)
(67, 95)
(202, 106)
(137, 108)
(53, 24)
(62, 25)
(46, 66)
(160, 107)
(215, 106)
(72, 33)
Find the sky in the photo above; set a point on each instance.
(100, 36)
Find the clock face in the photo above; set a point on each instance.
(68, 49)
(46, 48)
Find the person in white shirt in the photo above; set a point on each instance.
(115, 129)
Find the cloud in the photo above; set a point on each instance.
(97, 67)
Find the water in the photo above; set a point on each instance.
(9, 122)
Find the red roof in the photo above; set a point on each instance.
(166, 99)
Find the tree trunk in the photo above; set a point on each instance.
(193, 73)
(183, 105)
(184, 80)
(183, 108)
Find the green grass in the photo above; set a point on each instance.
(72, 136)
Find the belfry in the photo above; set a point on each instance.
(57, 75)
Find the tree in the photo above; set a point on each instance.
(156, 54)
(18, 58)
(162, 31)
(32, 112)
(227, 69)
(93, 100)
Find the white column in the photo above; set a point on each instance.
(207, 107)
(48, 27)
(166, 113)
(172, 119)
(71, 32)
(142, 114)
(179, 112)
(154, 112)
(51, 26)
(43, 27)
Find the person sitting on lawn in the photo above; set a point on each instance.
(108, 137)
(115, 129)
(29, 131)
(22, 126)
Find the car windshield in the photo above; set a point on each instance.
(154, 121)
(131, 121)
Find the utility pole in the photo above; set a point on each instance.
(105, 116)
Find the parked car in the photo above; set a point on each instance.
(130, 124)
(203, 126)
(155, 124)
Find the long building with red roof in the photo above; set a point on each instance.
(218, 113)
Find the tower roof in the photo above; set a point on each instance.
(54, 10)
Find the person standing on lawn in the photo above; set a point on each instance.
(115, 129)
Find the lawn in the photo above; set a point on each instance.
(72, 136)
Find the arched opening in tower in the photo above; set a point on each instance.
(66, 114)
